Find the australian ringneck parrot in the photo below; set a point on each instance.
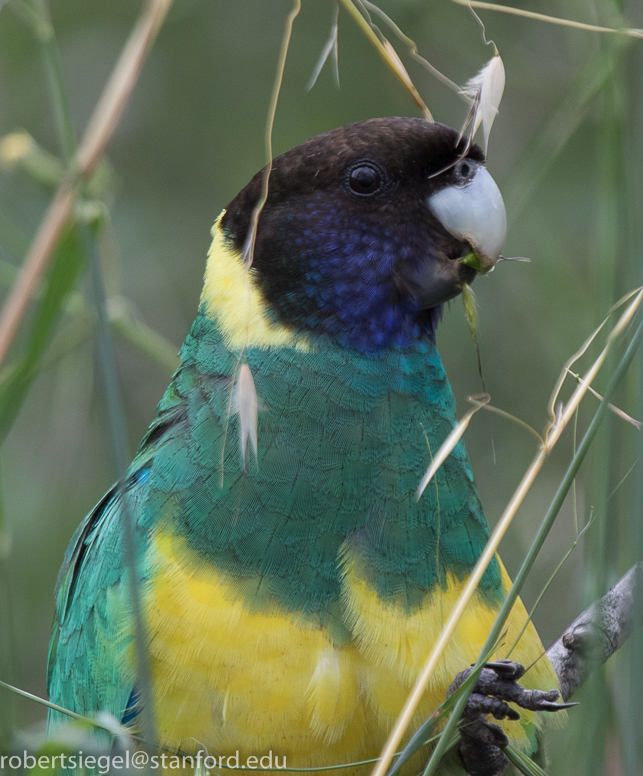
(292, 583)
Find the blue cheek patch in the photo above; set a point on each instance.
(346, 277)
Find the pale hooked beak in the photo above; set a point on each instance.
(475, 213)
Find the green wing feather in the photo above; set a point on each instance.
(91, 600)
(92, 629)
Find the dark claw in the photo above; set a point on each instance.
(497, 686)
(486, 705)
(546, 706)
(507, 669)
(499, 679)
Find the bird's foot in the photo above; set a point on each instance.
(497, 686)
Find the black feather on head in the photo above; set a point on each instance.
(346, 244)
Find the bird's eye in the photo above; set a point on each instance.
(365, 179)
(465, 169)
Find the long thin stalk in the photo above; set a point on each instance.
(123, 319)
(99, 131)
(554, 136)
(539, 539)
(551, 438)
(542, 17)
(630, 712)
(35, 264)
(606, 261)
(118, 435)
(381, 49)
(248, 250)
(53, 68)
(54, 707)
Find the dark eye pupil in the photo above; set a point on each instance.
(364, 180)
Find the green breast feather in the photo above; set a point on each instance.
(343, 441)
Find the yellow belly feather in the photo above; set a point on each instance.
(232, 679)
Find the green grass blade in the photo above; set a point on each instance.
(67, 265)
(119, 444)
(419, 738)
(523, 763)
(539, 540)
(551, 139)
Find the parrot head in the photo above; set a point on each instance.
(365, 228)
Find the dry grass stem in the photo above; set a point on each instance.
(35, 263)
(385, 53)
(451, 441)
(630, 32)
(412, 46)
(514, 419)
(248, 248)
(551, 438)
(115, 96)
(616, 410)
(331, 46)
(99, 131)
(551, 407)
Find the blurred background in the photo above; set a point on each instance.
(566, 153)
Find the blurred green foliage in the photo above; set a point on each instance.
(565, 150)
